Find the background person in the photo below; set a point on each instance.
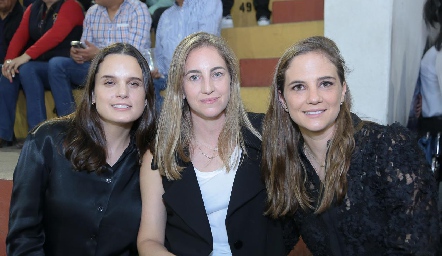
(46, 30)
(207, 196)
(76, 185)
(350, 187)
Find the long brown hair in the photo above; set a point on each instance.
(282, 168)
(175, 123)
(85, 142)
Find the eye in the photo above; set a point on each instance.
(193, 77)
(109, 82)
(297, 87)
(326, 84)
(218, 74)
(134, 83)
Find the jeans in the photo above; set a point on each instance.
(159, 85)
(63, 72)
(8, 102)
(34, 80)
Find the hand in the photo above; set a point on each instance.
(418, 106)
(80, 55)
(10, 67)
(155, 74)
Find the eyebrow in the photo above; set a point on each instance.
(195, 71)
(128, 78)
(322, 78)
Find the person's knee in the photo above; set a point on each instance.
(58, 63)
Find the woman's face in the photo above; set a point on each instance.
(206, 83)
(119, 93)
(313, 93)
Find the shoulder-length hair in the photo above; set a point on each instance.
(282, 167)
(85, 143)
(174, 132)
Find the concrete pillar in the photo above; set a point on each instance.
(381, 42)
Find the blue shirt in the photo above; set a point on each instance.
(177, 22)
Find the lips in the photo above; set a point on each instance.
(121, 106)
(209, 100)
(314, 112)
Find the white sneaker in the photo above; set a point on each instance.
(227, 22)
(263, 21)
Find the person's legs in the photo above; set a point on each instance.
(262, 12)
(227, 7)
(34, 80)
(8, 102)
(62, 72)
(159, 85)
(226, 21)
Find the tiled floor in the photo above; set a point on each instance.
(8, 160)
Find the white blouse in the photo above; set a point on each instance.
(216, 187)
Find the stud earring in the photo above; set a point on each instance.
(341, 102)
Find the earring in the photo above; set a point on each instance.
(341, 102)
(145, 103)
(93, 102)
(285, 109)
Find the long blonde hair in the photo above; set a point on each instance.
(174, 133)
(282, 168)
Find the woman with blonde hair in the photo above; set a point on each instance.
(205, 195)
(349, 186)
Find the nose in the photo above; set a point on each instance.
(314, 96)
(207, 86)
(122, 91)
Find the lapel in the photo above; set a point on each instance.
(184, 197)
(248, 182)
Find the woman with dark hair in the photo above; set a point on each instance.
(205, 196)
(350, 187)
(76, 185)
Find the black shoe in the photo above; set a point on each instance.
(5, 143)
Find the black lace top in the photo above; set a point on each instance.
(391, 202)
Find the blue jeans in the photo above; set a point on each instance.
(159, 85)
(34, 80)
(8, 102)
(63, 72)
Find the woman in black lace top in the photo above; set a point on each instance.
(347, 186)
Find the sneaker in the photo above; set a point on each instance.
(263, 21)
(227, 22)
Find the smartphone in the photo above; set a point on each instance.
(78, 44)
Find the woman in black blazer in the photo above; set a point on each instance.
(205, 195)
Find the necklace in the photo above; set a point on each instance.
(310, 155)
(206, 146)
(204, 154)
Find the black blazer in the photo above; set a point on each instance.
(249, 231)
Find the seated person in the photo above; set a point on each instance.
(46, 30)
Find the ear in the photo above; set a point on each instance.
(282, 101)
(344, 91)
